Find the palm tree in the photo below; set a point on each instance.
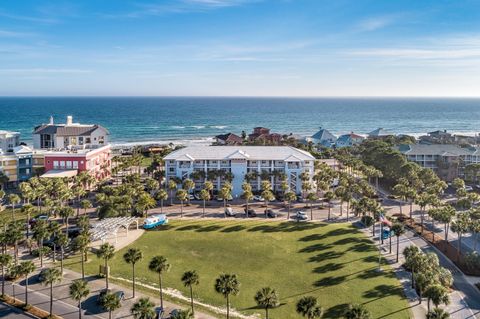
(247, 195)
(81, 244)
(267, 298)
(357, 311)
(61, 240)
(79, 290)
(267, 197)
(111, 302)
(225, 193)
(289, 197)
(189, 279)
(398, 229)
(308, 307)
(132, 256)
(26, 268)
(182, 196)
(66, 213)
(312, 197)
(438, 313)
(188, 185)
(54, 229)
(437, 294)
(227, 285)
(13, 199)
(28, 209)
(162, 195)
(160, 265)
(145, 202)
(40, 233)
(85, 204)
(328, 197)
(208, 185)
(172, 186)
(50, 277)
(460, 226)
(5, 261)
(143, 309)
(204, 196)
(106, 252)
(183, 314)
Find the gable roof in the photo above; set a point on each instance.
(435, 149)
(324, 134)
(379, 132)
(229, 137)
(68, 130)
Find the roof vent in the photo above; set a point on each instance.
(69, 120)
(51, 120)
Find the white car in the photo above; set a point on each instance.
(191, 197)
(301, 216)
(468, 188)
(258, 198)
(229, 212)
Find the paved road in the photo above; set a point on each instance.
(9, 312)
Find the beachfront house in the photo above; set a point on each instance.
(349, 139)
(379, 133)
(17, 164)
(228, 139)
(69, 134)
(9, 140)
(323, 137)
(269, 162)
(263, 135)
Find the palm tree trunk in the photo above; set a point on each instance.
(54, 253)
(329, 209)
(181, 209)
(133, 279)
(83, 266)
(3, 280)
(61, 259)
(51, 299)
(203, 208)
(79, 309)
(161, 292)
(191, 299)
(26, 289)
(390, 244)
(398, 246)
(110, 314)
(106, 273)
(41, 253)
(288, 214)
(161, 206)
(266, 312)
(228, 307)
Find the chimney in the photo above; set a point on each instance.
(51, 120)
(69, 120)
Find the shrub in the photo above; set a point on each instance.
(472, 261)
(367, 220)
(46, 250)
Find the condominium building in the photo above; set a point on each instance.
(240, 161)
(65, 135)
(17, 164)
(9, 140)
(447, 160)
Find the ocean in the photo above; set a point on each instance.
(198, 119)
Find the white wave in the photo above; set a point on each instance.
(198, 127)
(187, 142)
(219, 127)
(178, 127)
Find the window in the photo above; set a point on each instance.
(55, 163)
(75, 164)
(87, 140)
(69, 164)
(62, 163)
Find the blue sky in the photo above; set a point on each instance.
(240, 47)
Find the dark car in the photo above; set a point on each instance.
(73, 232)
(120, 294)
(34, 220)
(270, 213)
(251, 212)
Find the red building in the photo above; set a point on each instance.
(95, 160)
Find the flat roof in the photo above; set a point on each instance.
(279, 153)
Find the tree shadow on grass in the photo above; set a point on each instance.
(286, 227)
(314, 248)
(373, 273)
(189, 227)
(329, 281)
(328, 267)
(312, 237)
(382, 291)
(209, 228)
(352, 240)
(326, 255)
(234, 229)
(362, 247)
(336, 311)
(341, 231)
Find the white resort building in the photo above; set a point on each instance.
(240, 161)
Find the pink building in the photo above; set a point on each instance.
(95, 160)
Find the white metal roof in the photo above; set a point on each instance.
(277, 153)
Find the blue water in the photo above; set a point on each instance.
(165, 119)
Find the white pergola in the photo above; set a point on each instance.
(110, 226)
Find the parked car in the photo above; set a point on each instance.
(73, 232)
(468, 188)
(220, 199)
(229, 211)
(251, 212)
(191, 197)
(300, 216)
(387, 233)
(258, 198)
(41, 274)
(160, 312)
(300, 199)
(34, 220)
(197, 196)
(120, 294)
(270, 213)
(174, 312)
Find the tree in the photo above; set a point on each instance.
(399, 230)
(437, 294)
(61, 240)
(26, 268)
(188, 185)
(5, 261)
(267, 298)
(162, 196)
(66, 212)
(460, 227)
(357, 311)
(225, 193)
(51, 276)
(145, 202)
(111, 302)
(80, 243)
(312, 197)
(227, 285)
(132, 256)
(182, 196)
(40, 233)
(172, 186)
(290, 197)
(85, 204)
(267, 197)
(328, 197)
(28, 209)
(190, 279)
(160, 265)
(106, 252)
(79, 290)
(13, 199)
(204, 196)
(143, 309)
(438, 313)
(308, 307)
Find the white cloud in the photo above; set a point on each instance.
(375, 23)
(13, 34)
(45, 71)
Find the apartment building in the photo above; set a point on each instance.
(17, 164)
(447, 160)
(68, 134)
(240, 161)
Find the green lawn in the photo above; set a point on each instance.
(335, 263)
